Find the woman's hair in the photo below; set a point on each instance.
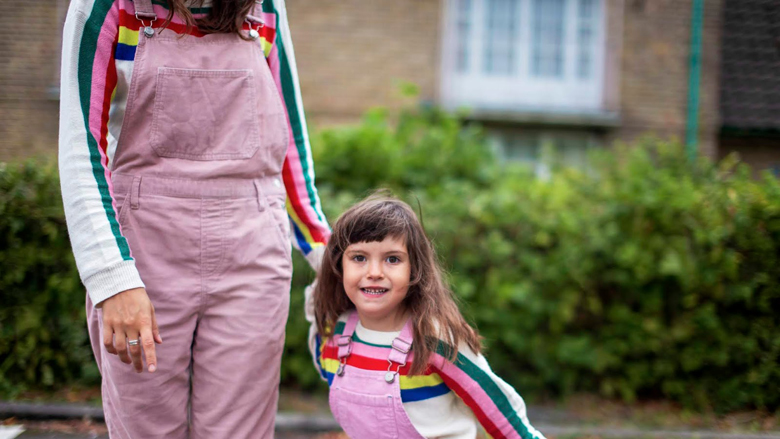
(225, 16)
(429, 301)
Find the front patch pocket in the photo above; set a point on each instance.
(366, 416)
(205, 114)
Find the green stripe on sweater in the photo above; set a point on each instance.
(86, 60)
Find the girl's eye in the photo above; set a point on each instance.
(359, 258)
(393, 259)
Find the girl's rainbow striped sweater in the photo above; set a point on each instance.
(99, 42)
(446, 401)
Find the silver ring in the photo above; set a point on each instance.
(133, 342)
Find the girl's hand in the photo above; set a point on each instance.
(127, 316)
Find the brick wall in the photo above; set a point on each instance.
(351, 54)
(351, 59)
(29, 62)
(655, 69)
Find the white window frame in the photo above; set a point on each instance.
(522, 91)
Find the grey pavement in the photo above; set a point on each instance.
(51, 435)
(558, 432)
(19, 433)
(552, 422)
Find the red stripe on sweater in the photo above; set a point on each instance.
(295, 200)
(486, 422)
(111, 79)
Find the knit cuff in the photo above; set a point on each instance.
(112, 281)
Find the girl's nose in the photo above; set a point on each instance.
(375, 270)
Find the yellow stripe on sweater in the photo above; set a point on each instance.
(127, 36)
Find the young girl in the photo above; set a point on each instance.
(387, 335)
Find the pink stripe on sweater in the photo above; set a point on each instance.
(476, 392)
(104, 57)
(306, 213)
(369, 351)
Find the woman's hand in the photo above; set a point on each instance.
(127, 316)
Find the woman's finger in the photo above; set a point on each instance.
(155, 329)
(134, 344)
(147, 341)
(121, 346)
(108, 338)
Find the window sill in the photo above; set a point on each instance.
(562, 118)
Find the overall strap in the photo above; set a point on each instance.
(254, 15)
(402, 345)
(345, 339)
(144, 10)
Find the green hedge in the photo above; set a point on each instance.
(43, 338)
(641, 276)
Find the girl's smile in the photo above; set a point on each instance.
(376, 280)
(374, 291)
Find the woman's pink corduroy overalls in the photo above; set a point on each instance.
(367, 403)
(199, 196)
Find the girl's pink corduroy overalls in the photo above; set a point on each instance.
(199, 196)
(367, 403)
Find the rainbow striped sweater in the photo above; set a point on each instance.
(99, 42)
(448, 400)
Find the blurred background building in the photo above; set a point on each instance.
(575, 74)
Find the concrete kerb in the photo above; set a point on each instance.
(284, 421)
(23, 410)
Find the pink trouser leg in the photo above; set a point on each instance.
(240, 337)
(155, 405)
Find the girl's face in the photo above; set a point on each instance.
(376, 279)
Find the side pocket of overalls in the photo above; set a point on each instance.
(273, 209)
(131, 196)
(120, 201)
(281, 220)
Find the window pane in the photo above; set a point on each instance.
(585, 38)
(517, 146)
(547, 38)
(463, 34)
(501, 36)
(543, 148)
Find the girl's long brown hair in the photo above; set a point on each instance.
(225, 16)
(429, 301)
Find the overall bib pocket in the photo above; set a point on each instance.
(205, 114)
(355, 407)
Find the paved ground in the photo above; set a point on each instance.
(32, 421)
(8, 433)
(50, 435)
(552, 432)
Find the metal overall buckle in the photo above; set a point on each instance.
(344, 342)
(390, 375)
(148, 30)
(402, 347)
(255, 33)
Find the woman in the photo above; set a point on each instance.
(185, 169)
